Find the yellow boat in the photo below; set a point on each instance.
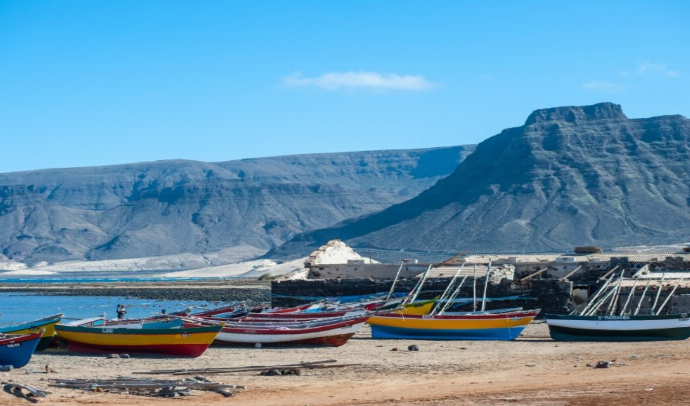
(46, 323)
(185, 341)
(501, 326)
(418, 308)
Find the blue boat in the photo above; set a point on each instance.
(17, 349)
(47, 324)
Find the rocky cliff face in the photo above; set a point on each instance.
(569, 176)
(172, 207)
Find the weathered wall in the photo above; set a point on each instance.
(549, 295)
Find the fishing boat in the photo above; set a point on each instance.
(504, 324)
(619, 328)
(501, 326)
(332, 332)
(47, 324)
(17, 349)
(600, 320)
(184, 341)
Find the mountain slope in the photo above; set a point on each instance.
(570, 176)
(171, 207)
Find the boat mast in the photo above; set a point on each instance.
(614, 299)
(486, 284)
(452, 297)
(630, 295)
(601, 301)
(390, 292)
(669, 296)
(419, 285)
(450, 284)
(658, 293)
(474, 289)
(596, 295)
(644, 292)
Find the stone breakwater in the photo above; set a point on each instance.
(253, 294)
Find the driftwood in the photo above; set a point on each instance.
(253, 368)
(148, 387)
(14, 386)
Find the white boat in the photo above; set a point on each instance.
(332, 332)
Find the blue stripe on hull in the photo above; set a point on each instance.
(461, 334)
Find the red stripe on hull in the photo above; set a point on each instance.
(186, 350)
(330, 341)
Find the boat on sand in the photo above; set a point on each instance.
(183, 342)
(16, 349)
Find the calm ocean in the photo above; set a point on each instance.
(21, 307)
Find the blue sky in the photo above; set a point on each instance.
(86, 83)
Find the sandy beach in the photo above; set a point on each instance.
(533, 370)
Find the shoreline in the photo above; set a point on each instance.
(252, 291)
(531, 370)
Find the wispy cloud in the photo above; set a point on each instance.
(361, 80)
(603, 86)
(660, 69)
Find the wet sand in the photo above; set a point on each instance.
(533, 370)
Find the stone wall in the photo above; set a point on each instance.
(549, 295)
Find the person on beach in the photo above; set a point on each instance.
(121, 311)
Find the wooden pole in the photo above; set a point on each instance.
(534, 274)
(614, 299)
(453, 296)
(669, 296)
(661, 285)
(570, 274)
(630, 296)
(421, 282)
(486, 285)
(644, 292)
(453, 257)
(609, 272)
(390, 292)
(474, 290)
(591, 301)
(601, 301)
(445, 292)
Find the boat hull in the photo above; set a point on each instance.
(506, 326)
(183, 342)
(327, 334)
(618, 328)
(17, 349)
(46, 324)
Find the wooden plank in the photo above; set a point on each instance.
(312, 364)
(33, 391)
(534, 274)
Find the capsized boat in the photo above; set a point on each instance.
(501, 326)
(47, 324)
(17, 349)
(332, 332)
(183, 342)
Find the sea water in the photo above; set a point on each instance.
(22, 307)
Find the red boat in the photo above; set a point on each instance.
(332, 332)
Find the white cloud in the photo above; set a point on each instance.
(656, 69)
(360, 80)
(603, 86)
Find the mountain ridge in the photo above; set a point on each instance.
(570, 176)
(179, 206)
